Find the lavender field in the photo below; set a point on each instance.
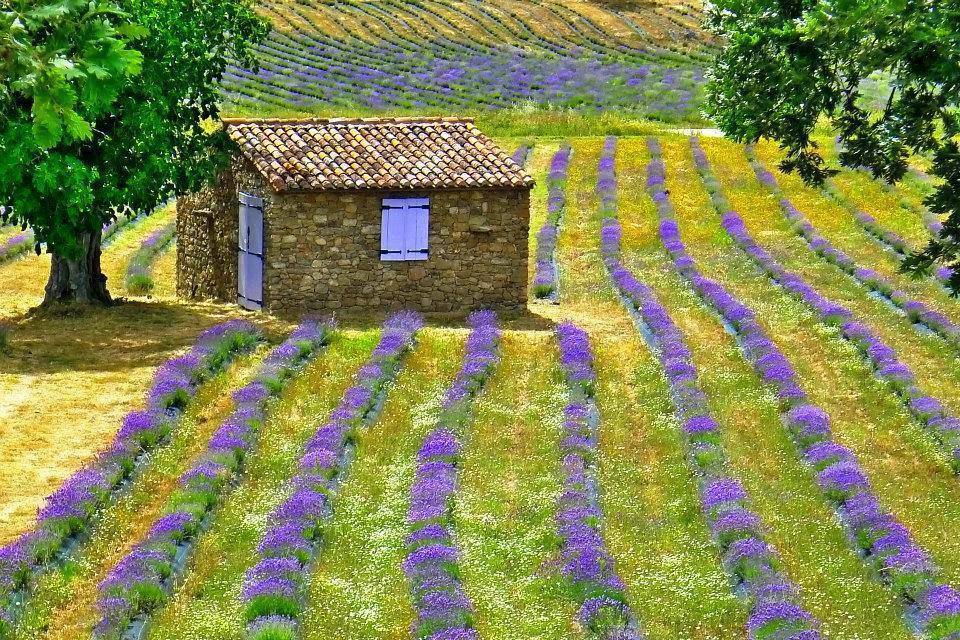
(438, 56)
(731, 417)
(723, 414)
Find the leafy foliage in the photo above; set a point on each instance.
(789, 62)
(104, 107)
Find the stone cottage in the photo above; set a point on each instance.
(359, 215)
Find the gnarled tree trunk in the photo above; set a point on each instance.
(79, 280)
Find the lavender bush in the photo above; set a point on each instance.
(16, 245)
(775, 609)
(522, 154)
(273, 588)
(927, 410)
(915, 310)
(545, 273)
(70, 511)
(443, 610)
(139, 275)
(881, 540)
(586, 563)
(140, 581)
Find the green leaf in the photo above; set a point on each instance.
(47, 125)
(77, 127)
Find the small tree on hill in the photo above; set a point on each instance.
(787, 63)
(102, 113)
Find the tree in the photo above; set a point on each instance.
(105, 110)
(788, 63)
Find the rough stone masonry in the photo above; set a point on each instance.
(321, 249)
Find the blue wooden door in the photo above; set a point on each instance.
(250, 253)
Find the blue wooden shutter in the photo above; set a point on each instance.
(418, 221)
(404, 229)
(391, 233)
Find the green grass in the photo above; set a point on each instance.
(509, 485)
(208, 603)
(357, 589)
(517, 123)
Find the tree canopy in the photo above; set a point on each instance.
(788, 63)
(103, 109)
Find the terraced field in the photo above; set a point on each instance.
(474, 56)
(730, 417)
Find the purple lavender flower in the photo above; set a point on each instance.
(271, 586)
(252, 393)
(288, 545)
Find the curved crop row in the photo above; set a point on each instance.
(70, 512)
(545, 284)
(926, 409)
(273, 589)
(883, 236)
(604, 611)
(116, 225)
(141, 580)
(737, 531)
(884, 543)
(915, 310)
(443, 609)
(393, 66)
(139, 275)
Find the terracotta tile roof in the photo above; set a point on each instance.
(374, 153)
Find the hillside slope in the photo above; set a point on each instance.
(475, 55)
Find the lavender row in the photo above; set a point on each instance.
(926, 409)
(70, 512)
(884, 543)
(885, 237)
(139, 276)
(273, 591)
(309, 68)
(522, 154)
(141, 580)
(915, 310)
(775, 609)
(586, 563)
(443, 609)
(545, 283)
(21, 243)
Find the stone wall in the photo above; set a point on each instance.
(322, 251)
(207, 233)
